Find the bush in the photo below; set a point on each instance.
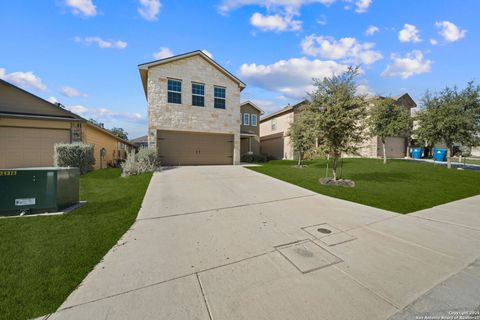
(146, 160)
(78, 155)
(253, 158)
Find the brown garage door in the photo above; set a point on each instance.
(193, 148)
(29, 147)
(272, 145)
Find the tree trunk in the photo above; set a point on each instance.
(334, 167)
(449, 160)
(384, 152)
(299, 158)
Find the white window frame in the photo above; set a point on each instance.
(274, 124)
(246, 116)
(253, 116)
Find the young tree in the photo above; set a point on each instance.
(302, 133)
(119, 132)
(388, 119)
(451, 116)
(339, 115)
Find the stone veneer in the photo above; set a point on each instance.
(185, 117)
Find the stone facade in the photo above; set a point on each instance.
(185, 117)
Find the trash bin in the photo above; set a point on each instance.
(439, 154)
(416, 153)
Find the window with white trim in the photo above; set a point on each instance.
(274, 124)
(198, 94)
(219, 97)
(174, 91)
(253, 120)
(246, 119)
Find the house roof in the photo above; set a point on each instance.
(142, 139)
(143, 68)
(253, 105)
(21, 106)
(284, 110)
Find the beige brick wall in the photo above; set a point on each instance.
(185, 117)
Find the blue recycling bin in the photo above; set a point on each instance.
(439, 154)
(416, 153)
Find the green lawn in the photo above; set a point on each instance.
(42, 259)
(401, 186)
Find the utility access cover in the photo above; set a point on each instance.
(307, 256)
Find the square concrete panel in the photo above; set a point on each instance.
(269, 287)
(337, 238)
(178, 299)
(321, 230)
(307, 256)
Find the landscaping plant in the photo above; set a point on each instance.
(388, 119)
(78, 155)
(302, 134)
(338, 115)
(145, 160)
(450, 116)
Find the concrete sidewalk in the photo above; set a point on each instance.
(225, 242)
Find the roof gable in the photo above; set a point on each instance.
(248, 102)
(16, 101)
(143, 68)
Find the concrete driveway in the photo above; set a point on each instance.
(225, 242)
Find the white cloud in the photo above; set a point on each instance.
(104, 114)
(52, 99)
(208, 53)
(291, 6)
(163, 53)
(345, 49)
(82, 7)
(409, 33)
(72, 92)
(404, 67)
(371, 30)
(101, 43)
(362, 5)
(292, 77)
(364, 89)
(23, 79)
(322, 20)
(449, 31)
(149, 9)
(275, 22)
(433, 42)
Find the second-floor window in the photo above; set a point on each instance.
(174, 91)
(274, 124)
(198, 94)
(219, 97)
(246, 119)
(253, 120)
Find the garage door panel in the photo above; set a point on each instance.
(191, 148)
(29, 147)
(395, 147)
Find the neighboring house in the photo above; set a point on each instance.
(140, 142)
(193, 110)
(274, 137)
(250, 128)
(30, 126)
(275, 141)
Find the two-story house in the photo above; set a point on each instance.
(250, 128)
(193, 110)
(275, 140)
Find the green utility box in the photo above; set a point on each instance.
(38, 190)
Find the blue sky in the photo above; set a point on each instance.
(84, 53)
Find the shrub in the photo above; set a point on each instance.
(146, 160)
(252, 158)
(78, 155)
